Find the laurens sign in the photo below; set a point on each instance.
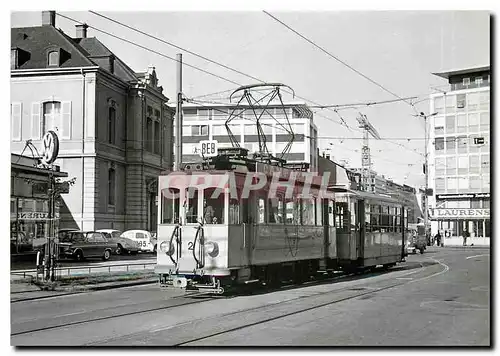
(439, 214)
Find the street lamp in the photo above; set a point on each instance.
(426, 171)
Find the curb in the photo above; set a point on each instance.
(480, 247)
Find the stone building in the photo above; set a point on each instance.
(114, 125)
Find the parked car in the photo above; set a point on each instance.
(123, 244)
(64, 234)
(143, 238)
(82, 244)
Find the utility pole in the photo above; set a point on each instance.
(178, 116)
(426, 172)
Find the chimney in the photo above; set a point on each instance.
(49, 18)
(81, 30)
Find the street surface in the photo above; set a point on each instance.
(440, 298)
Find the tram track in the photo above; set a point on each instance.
(243, 315)
(182, 300)
(271, 315)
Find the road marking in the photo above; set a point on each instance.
(404, 278)
(486, 254)
(446, 269)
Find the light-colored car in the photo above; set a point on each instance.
(143, 238)
(123, 244)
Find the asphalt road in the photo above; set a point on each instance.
(440, 298)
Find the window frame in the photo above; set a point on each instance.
(111, 186)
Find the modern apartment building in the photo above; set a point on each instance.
(459, 154)
(206, 122)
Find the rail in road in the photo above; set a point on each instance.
(318, 299)
(90, 269)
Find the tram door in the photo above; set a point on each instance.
(360, 228)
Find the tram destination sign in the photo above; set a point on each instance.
(460, 213)
(208, 148)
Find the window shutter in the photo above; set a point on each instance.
(66, 120)
(16, 121)
(35, 121)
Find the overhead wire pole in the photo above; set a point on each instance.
(426, 172)
(178, 116)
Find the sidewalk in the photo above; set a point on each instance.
(483, 242)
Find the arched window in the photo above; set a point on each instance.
(53, 59)
(51, 116)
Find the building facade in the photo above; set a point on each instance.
(371, 180)
(459, 155)
(206, 122)
(113, 124)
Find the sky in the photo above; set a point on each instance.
(397, 49)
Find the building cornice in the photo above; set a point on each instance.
(52, 71)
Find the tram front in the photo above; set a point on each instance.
(193, 230)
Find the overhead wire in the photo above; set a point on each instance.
(342, 122)
(333, 56)
(212, 61)
(150, 50)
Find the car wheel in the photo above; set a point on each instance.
(119, 250)
(79, 255)
(107, 255)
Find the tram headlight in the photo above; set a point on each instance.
(212, 248)
(167, 248)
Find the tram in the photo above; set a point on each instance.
(235, 220)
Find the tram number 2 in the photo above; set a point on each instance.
(190, 246)
(208, 148)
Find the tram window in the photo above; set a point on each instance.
(398, 223)
(213, 206)
(275, 211)
(247, 215)
(342, 216)
(192, 206)
(367, 222)
(261, 212)
(307, 212)
(331, 215)
(375, 222)
(170, 206)
(292, 212)
(319, 212)
(234, 212)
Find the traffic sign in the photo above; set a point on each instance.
(208, 148)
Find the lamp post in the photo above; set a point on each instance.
(426, 171)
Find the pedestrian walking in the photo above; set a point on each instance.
(438, 238)
(465, 235)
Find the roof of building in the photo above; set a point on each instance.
(93, 47)
(450, 73)
(36, 42)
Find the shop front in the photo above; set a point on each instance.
(453, 222)
(30, 217)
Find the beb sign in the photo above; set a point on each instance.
(208, 148)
